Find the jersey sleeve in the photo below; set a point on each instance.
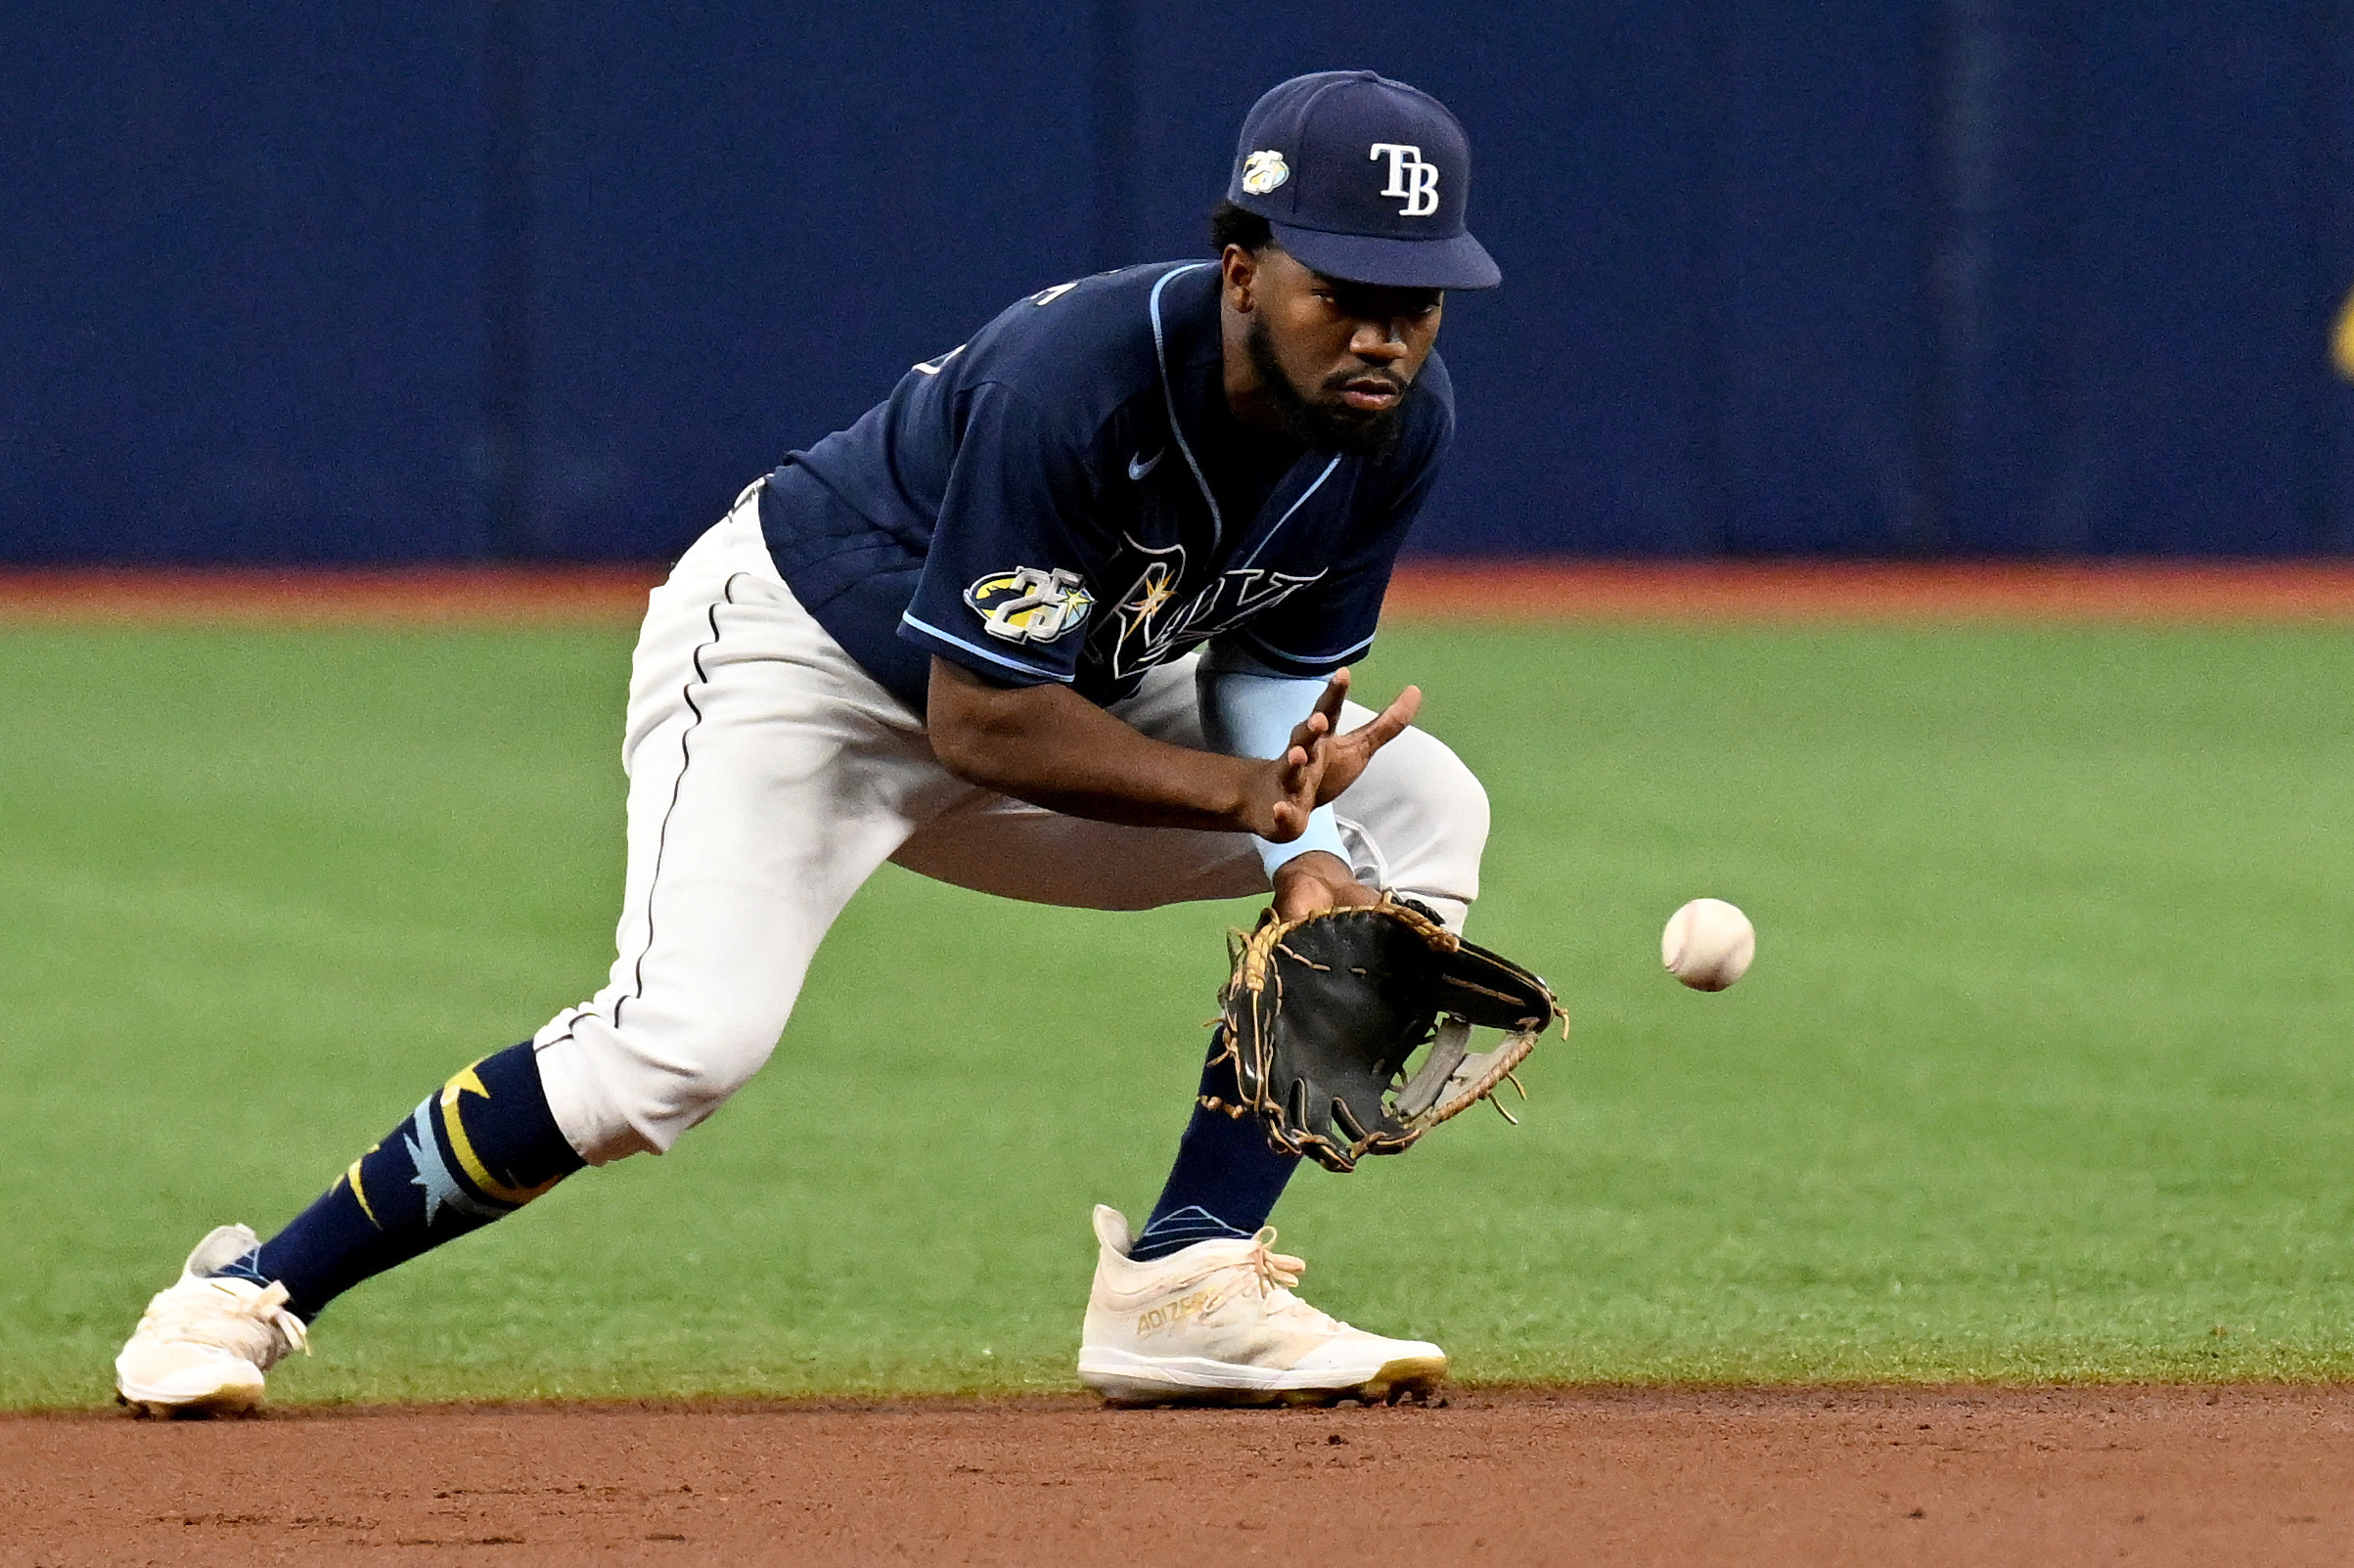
(1328, 622)
(1010, 580)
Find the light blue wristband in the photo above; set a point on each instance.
(1323, 833)
(1247, 713)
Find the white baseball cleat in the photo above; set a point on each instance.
(1216, 1323)
(203, 1345)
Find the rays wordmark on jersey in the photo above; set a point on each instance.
(1155, 624)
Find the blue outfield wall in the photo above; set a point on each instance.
(517, 280)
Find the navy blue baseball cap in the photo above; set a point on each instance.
(1363, 178)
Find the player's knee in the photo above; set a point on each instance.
(1429, 838)
(1451, 808)
(636, 1085)
(709, 1080)
(717, 1054)
(1459, 806)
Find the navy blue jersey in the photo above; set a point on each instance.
(1068, 496)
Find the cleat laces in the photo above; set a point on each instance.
(253, 1325)
(1270, 1275)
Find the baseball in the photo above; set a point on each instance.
(1709, 944)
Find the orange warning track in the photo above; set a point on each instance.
(1835, 592)
(1422, 591)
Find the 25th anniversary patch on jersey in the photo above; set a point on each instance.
(1029, 606)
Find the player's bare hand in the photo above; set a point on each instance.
(1311, 883)
(1323, 762)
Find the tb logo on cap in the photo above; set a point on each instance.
(1409, 178)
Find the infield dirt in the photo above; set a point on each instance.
(2044, 1476)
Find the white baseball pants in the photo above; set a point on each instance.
(769, 776)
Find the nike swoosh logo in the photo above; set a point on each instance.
(1139, 466)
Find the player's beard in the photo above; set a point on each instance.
(1326, 426)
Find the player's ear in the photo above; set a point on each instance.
(1241, 269)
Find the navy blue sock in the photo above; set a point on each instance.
(1226, 1179)
(476, 1151)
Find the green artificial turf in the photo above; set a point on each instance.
(2044, 1070)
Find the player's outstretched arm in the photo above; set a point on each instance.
(1052, 747)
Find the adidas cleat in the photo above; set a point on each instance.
(203, 1345)
(1216, 1323)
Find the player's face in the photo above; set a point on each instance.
(1335, 360)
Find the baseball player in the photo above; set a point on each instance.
(1065, 618)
